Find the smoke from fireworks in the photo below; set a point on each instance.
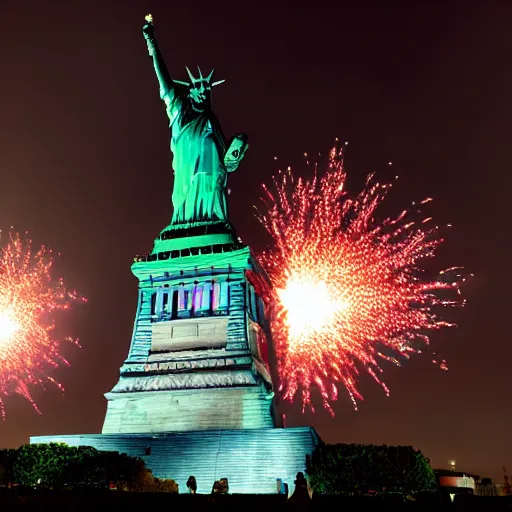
(348, 291)
(29, 299)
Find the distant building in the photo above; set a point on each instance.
(456, 482)
(486, 487)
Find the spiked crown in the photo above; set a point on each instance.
(201, 78)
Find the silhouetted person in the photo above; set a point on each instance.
(192, 484)
(282, 487)
(220, 486)
(300, 499)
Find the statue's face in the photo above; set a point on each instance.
(200, 93)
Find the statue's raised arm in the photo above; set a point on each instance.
(167, 85)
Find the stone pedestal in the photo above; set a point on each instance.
(251, 459)
(234, 407)
(194, 395)
(196, 359)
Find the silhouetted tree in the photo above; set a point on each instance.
(144, 481)
(58, 466)
(356, 469)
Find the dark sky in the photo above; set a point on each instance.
(86, 169)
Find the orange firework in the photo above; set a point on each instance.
(29, 299)
(348, 291)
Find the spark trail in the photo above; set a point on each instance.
(29, 301)
(348, 291)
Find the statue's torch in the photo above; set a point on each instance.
(147, 30)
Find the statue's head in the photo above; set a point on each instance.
(200, 89)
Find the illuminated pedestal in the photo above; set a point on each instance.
(198, 354)
(251, 459)
(194, 395)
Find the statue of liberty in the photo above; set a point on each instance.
(202, 158)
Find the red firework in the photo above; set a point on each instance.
(348, 291)
(29, 299)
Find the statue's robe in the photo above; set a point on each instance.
(200, 176)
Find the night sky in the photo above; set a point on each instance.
(86, 170)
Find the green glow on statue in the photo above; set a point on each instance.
(202, 156)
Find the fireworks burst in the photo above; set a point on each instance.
(29, 299)
(348, 291)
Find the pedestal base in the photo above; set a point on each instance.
(251, 460)
(183, 410)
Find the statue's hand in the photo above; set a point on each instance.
(148, 30)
